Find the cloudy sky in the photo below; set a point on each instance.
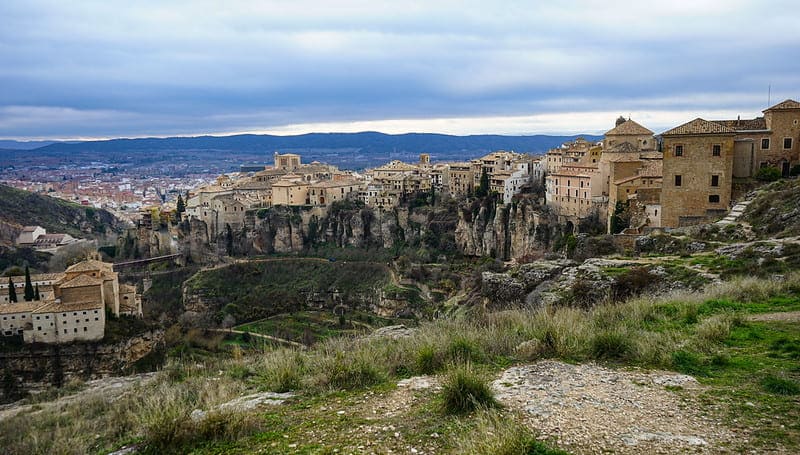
(97, 69)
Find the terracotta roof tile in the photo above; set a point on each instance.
(785, 104)
(89, 265)
(629, 128)
(82, 281)
(56, 307)
(698, 126)
(744, 124)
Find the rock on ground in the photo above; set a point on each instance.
(591, 409)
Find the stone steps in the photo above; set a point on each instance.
(735, 213)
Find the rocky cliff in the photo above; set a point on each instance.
(515, 230)
(36, 367)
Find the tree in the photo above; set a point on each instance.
(12, 292)
(180, 205)
(29, 294)
(620, 120)
(620, 220)
(37, 296)
(228, 239)
(483, 186)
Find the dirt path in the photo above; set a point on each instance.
(786, 316)
(591, 409)
(262, 336)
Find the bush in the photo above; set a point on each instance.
(463, 350)
(780, 386)
(611, 344)
(428, 361)
(464, 391)
(795, 170)
(768, 174)
(351, 372)
(633, 282)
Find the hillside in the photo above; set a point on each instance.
(22, 208)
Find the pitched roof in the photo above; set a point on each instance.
(57, 307)
(698, 126)
(82, 281)
(628, 128)
(756, 124)
(785, 104)
(89, 265)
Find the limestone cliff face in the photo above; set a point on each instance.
(34, 367)
(504, 231)
(480, 228)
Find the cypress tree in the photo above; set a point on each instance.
(29, 294)
(12, 293)
(483, 186)
(180, 205)
(37, 296)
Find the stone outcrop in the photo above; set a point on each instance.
(505, 231)
(34, 367)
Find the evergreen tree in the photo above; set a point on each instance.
(229, 239)
(483, 186)
(37, 296)
(180, 205)
(12, 292)
(29, 294)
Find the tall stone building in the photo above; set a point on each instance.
(697, 172)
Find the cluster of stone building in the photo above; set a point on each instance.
(682, 177)
(71, 307)
(290, 182)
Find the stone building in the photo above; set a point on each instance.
(697, 172)
(72, 304)
(461, 179)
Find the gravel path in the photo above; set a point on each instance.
(591, 409)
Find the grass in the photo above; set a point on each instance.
(745, 365)
(464, 391)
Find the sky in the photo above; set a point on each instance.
(89, 69)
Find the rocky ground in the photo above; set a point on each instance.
(108, 388)
(592, 409)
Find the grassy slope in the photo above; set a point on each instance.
(774, 212)
(55, 215)
(256, 290)
(749, 368)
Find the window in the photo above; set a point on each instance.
(84, 329)
(787, 142)
(713, 198)
(716, 150)
(678, 180)
(678, 150)
(764, 143)
(75, 330)
(714, 180)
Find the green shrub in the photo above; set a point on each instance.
(462, 349)
(780, 386)
(464, 391)
(611, 344)
(795, 170)
(428, 361)
(349, 372)
(768, 174)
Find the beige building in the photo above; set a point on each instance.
(72, 305)
(461, 179)
(698, 172)
(287, 161)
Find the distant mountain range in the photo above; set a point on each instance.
(348, 150)
(22, 145)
